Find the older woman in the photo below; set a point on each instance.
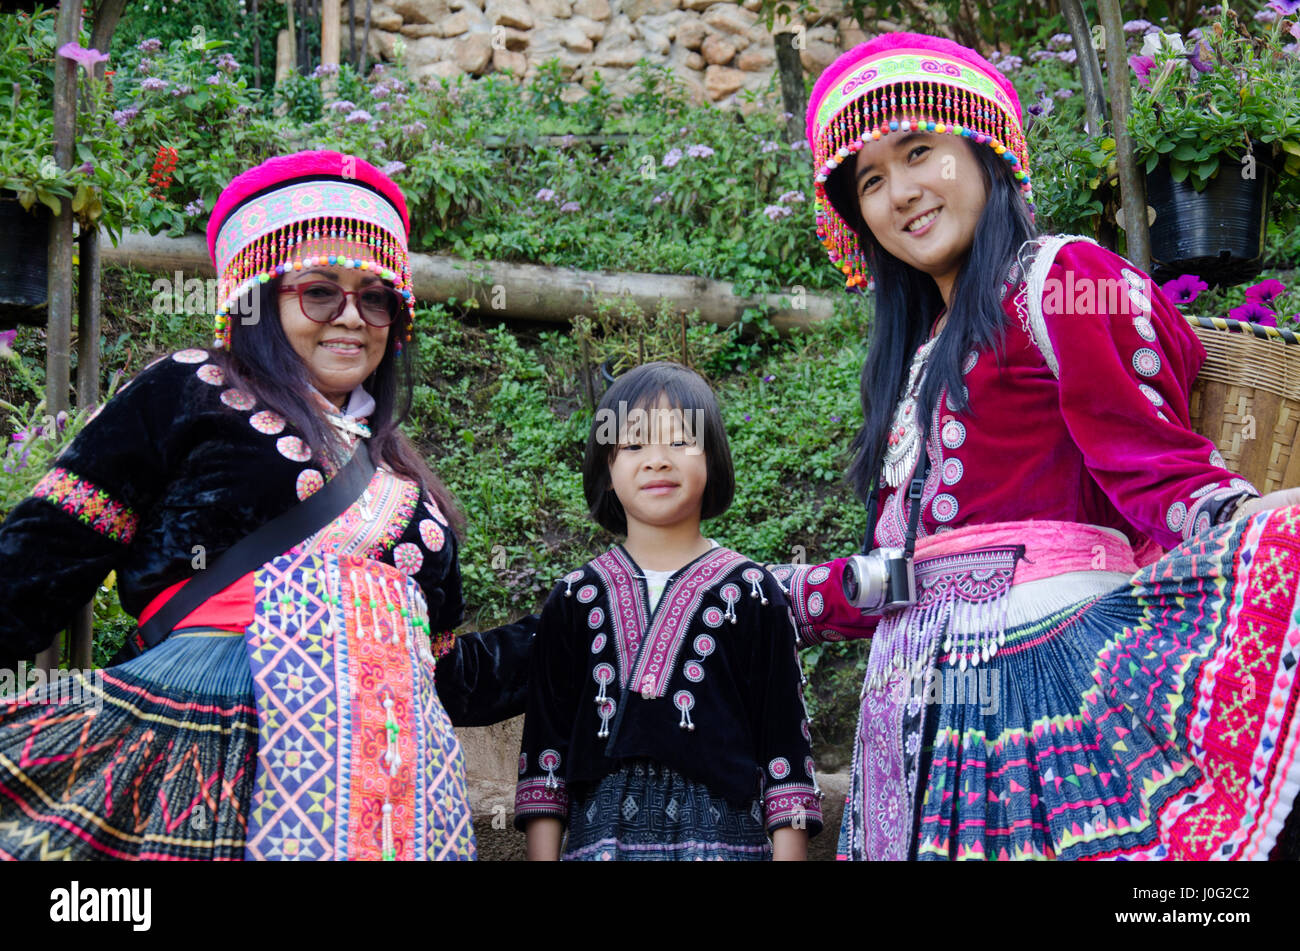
(291, 560)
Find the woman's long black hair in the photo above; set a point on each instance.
(262, 362)
(907, 302)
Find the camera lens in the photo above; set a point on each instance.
(850, 583)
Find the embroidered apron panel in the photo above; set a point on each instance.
(356, 756)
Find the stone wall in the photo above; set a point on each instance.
(715, 49)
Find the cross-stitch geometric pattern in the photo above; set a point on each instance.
(356, 758)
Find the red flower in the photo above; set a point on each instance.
(164, 164)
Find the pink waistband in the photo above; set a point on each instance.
(1051, 548)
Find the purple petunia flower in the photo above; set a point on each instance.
(699, 151)
(153, 84)
(1184, 290)
(7, 338)
(85, 168)
(79, 54)
(570, 206)
(1254, 312)
(1194, 57)
(1286, 8)
(672, 158)
(1265, 291)
(1142, 66)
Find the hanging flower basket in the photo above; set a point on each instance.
(1218, 233)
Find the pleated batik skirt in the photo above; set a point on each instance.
(1150, 719)
(153, 759)
(645, 811)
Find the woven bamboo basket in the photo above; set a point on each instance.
(1246, 399)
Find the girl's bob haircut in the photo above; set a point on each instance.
(632, 404)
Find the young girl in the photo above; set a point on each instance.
(1038, 696)
(665, 719)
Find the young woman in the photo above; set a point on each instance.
(665, 719)
(1026, 425)
(297, 707)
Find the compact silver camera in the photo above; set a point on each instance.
(881, 579)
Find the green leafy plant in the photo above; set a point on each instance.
(101, 181)
(1227, 94)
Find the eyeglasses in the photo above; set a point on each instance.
(323, 301)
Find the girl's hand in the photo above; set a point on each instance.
(544, 835)
(790, 845)
(1274, 500)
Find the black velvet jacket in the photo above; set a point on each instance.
(707, 684)
(177, 468)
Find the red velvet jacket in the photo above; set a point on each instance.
(1108, 443)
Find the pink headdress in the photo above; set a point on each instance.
(307, 210)
(900, 82)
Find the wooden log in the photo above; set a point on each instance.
(58, 331)
(520, 291)
(284, 55)
(1132, 182)
(330, 17)
(793, 94)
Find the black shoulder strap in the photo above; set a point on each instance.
(271, 540)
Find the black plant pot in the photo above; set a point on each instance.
(24, 244)
(1217, 234)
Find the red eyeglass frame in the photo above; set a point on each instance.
(299, 288)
